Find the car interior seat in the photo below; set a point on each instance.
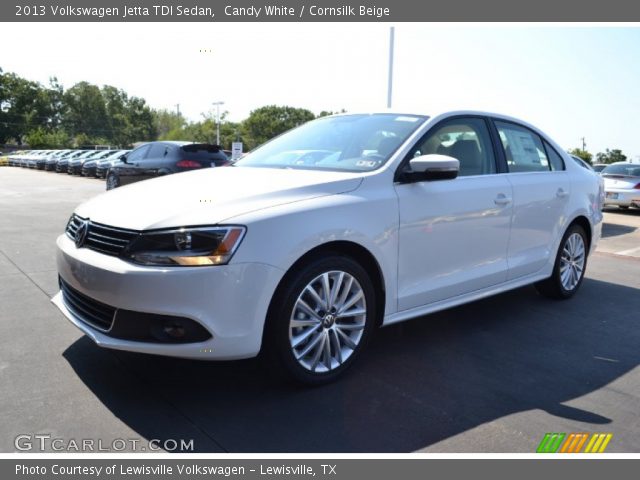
(469, 156)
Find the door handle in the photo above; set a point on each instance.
(502, 199)
(561, 193)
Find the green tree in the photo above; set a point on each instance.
(43, 138)
(326, 113)
(85, 111)
(166, 121)
(270, 121)
(82, 140)
(53, 98)
(611, 156)
(141, 126)
(205, 131)
(26, 106)
(231, 132)
(115, 123)
(583, 154)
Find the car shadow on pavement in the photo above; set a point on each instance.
(613, 230)
(420, 382)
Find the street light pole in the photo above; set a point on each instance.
(390, 84)
(217, 105)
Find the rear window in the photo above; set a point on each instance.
(202, 152)
(200, 147)
(622, 169)
(523, 148)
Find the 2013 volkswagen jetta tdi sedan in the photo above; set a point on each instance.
(311, 241)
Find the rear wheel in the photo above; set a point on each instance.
(570, 265)
(321, 321)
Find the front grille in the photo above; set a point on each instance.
(86, 309)
(102, 238)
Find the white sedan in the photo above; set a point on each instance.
(622, 184)
(387, 217)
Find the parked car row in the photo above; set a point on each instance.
(64, 161)
(120, 167)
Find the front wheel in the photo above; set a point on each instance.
(112, 181)
(570, 265)
(321, 320)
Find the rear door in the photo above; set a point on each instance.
(541, 189)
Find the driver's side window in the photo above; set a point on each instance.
(138, 154)
(465, 139)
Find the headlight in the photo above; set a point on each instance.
(187, 247)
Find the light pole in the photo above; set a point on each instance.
(217, 105)
(390, 80)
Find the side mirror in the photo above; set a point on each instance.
(123, 158)
(431, 167)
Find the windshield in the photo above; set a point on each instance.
(352, 143)
(622, 169)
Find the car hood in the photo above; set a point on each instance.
(210, 196)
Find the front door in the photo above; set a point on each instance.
(454, 233)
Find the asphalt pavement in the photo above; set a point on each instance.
(491, 376)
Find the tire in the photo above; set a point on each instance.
(623, 207)
(113, 181)
(317, 350)
(569, 267)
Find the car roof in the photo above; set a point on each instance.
(174, 142)
(443, 114)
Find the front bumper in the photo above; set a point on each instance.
(230, 301)
(88, 171)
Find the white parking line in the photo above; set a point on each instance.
(630, 251)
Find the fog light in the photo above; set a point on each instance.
(174, 330)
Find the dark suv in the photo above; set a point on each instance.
(155, 159)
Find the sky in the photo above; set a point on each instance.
(570, 81)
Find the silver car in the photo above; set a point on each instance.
(622, 184)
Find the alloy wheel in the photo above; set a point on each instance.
(572, 261)
(328, 321)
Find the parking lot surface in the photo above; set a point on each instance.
(491, 376)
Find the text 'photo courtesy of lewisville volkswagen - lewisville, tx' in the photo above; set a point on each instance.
(309, 228)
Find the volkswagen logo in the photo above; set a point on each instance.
(81, 233)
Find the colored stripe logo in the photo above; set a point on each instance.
(574, 442)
